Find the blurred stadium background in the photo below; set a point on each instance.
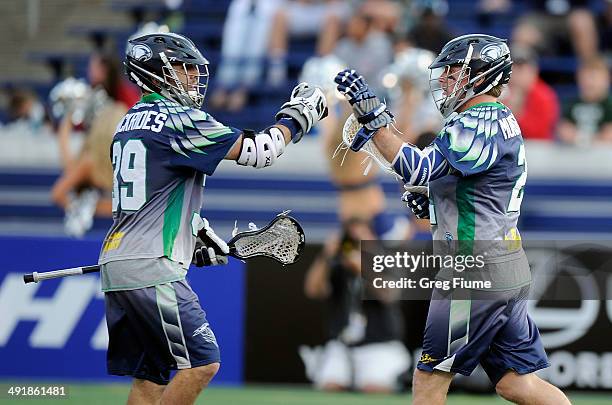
(55, 332)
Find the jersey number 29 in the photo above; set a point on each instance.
(130, 175)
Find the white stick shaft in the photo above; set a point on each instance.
(57, 273)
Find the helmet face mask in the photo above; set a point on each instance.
(466, 67)
(186, 82)
(169, 64)
(448, 85)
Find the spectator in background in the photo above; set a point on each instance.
(25, 112)
(429, 30)
(244, 46)
(319, 18)
(491, 10)
(364, 350)
(103, 70)
(534, 103)
(385, 14)
(604, 29)
(558, 24)
(365, 48)
(588, 118)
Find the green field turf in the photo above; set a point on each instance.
(94, 394)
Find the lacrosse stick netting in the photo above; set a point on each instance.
(350, 129)
(283, 240)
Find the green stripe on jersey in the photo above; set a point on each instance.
(466, 221)
(224, 131)
(172, 218)
(151, 97)
(495, 104)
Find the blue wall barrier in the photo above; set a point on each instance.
(56, 329)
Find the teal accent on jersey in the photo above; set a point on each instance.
(469, 140)
(482, 145)
(193, 127)
(177, 158)
(466, 214)
(172, 218)
(148, 98)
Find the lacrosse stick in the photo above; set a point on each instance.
(282, 239)
(351, 127)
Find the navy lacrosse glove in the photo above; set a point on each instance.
(418, 203)
(210, 249)
(351, 84)
(367, 107)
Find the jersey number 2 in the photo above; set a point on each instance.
(129, 169)
(517, 192)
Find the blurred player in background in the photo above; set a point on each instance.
(358, 331)
(84, 188)
(406, 81)
(162, 151)
(364, 350)
(475, 171)
(354, 188)
(103, 71)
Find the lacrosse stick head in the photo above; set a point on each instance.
(283, 240)
(351, 127)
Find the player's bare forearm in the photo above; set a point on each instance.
(73, 177)
(63, 136)
(387, 143)
(286, 132)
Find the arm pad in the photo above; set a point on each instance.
(418, 167)
(261, 149)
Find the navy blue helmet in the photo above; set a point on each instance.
(168, 64)
(466, 67)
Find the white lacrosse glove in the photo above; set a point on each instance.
(210, 249)
(307, 106)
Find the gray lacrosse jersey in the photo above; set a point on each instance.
(477, 206)
(161, 154)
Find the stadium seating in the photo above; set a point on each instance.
(24, 193)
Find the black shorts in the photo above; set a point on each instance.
(157, 329)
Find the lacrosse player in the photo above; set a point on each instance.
(475, 171)
(162, 151)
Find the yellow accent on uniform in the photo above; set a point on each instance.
(113, 241)
(514, 238)
(426, 358)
